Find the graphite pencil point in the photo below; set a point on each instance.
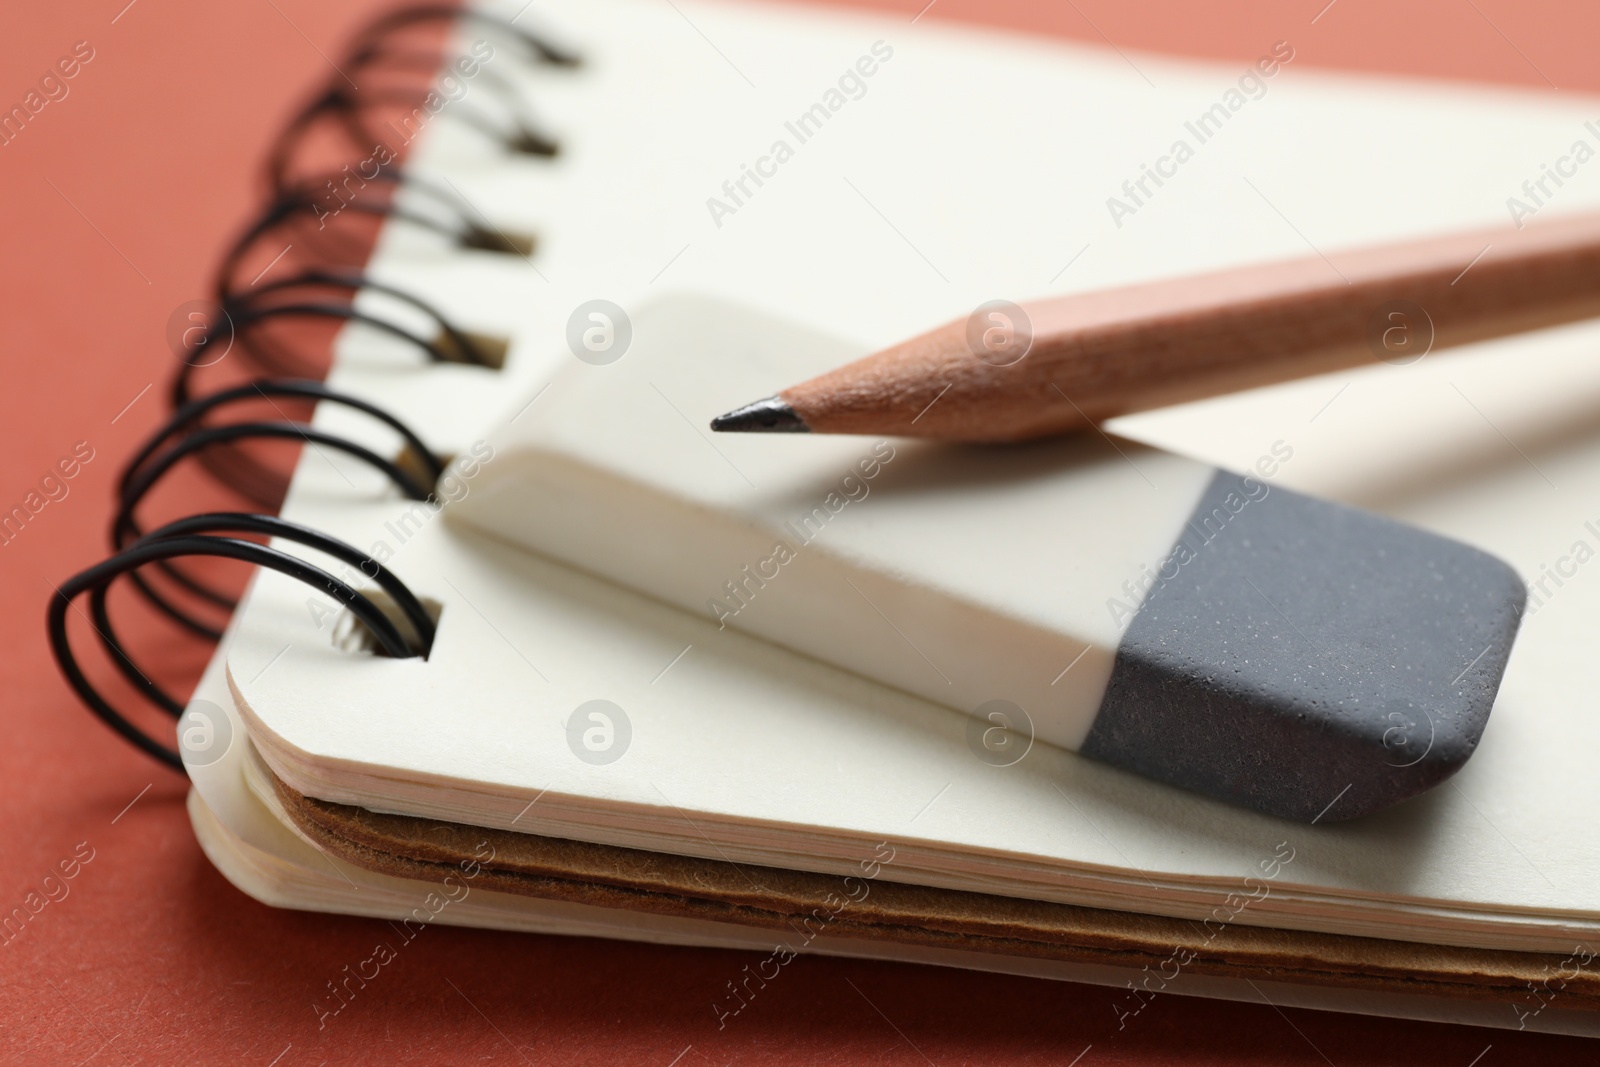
(771, 415)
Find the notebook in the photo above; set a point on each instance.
(564, 705)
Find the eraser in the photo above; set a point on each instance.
(1215, 631)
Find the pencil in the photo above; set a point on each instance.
(1011, 372)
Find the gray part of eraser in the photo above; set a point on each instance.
(1307, 659)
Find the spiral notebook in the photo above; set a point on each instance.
(740, 789)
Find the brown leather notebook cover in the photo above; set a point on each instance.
(799, 906)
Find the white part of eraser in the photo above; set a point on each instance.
(966, 575)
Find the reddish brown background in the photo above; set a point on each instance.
(113, 206)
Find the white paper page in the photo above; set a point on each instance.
(741, 750)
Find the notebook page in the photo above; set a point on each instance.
(737, 748)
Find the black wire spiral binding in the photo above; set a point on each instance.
(314, 291)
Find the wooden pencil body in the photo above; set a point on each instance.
(1099, 354)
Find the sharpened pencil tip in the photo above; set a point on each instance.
(771, 415)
